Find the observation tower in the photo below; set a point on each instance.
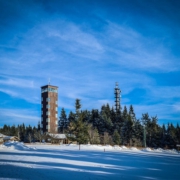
(49, 109)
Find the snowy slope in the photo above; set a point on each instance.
(15, 146)
(18, 161)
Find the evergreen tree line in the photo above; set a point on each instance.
(105, 127)
(117, 128)
(24, 133)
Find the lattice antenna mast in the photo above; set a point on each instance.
(117, 93)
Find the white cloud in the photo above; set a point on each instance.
(165, 92)
(10, 81)
(134, 51)
(162, 111)
(72, 34)
(56, 38)
(28, 95)
(19, 116)
(10, 92)
(176, 107)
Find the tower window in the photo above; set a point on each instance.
(47, 126)
(52, 90)
(47, 119)
(48, 99)
(43, 90)
(47, 112)
(48, 106)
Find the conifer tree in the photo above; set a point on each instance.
(106, 123)
(146, 126)
(132, 113)
(71, 117)
(124, 126)
(107, 110)
(113, 115)
(23, 132)
(12, 130)
(77, 129)
(177, 134)
(171, 136)
(116, 137)
(63, 121)
(95, 118)
(128, 130)
(137, 134)
(163, 136)
(153, 132)
(125, 113)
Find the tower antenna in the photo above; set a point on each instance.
(49, 80)
(117, 93)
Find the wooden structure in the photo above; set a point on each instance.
(57, 138)
(4, 138)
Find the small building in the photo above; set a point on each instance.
(57, 138)
(4, 138)
(1, 138)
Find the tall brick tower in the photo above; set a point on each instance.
(49, 108)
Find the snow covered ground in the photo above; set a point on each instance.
(41, 161)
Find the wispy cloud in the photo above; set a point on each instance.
(17, 82)
(166, 92)
(133, 50)
(10, 92)
(28, 95)
(162, 111)
(72, 34)
(176, 107)
(63, 38)
(19, 116)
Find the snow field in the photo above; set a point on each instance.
(13, 145)
(20, 161)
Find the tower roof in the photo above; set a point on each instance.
(49, 86)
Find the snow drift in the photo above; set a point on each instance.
(14, 145)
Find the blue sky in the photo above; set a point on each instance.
(84, 47)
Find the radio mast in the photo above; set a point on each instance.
(117, 93)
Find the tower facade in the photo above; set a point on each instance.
(117, 93)
(49, 108)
